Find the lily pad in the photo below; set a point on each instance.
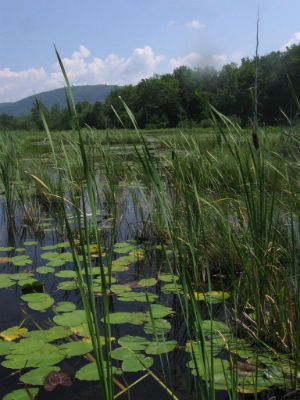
(162, 326)
(120, 354)
(30, 243)
(134, 342)
(161, 347)
(168, 277)
(65, 306)
(40, 306)
(56, 262)
(5, 347)
(68, 319)
(147, 282)
(90, 372)
(37, 376)
(137, 362)
(45, 270)
(27, 346)
(35, 297)
(75, 348)
(66, 274)
(211, 297)
(13, 333)
(21, 394)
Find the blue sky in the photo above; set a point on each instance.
(123, 41)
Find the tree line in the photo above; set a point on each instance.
(181, 98)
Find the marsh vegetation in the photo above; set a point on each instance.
(139, 264)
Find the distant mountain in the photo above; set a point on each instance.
(90, 93)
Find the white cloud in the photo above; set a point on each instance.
(17, 85)
(111, 70)
(295, 40)
(171, 23)
(197, 60)
(82, 53)
(196, 24)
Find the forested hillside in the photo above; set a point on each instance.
(181, 98)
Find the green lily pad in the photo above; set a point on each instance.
(162, 326)
(134, 342)
(56, 262)
(67, 285)
(211, 297)
(40, 306)
(6, 283)
(75, 348)
(21, 394)
(49, 255)
(147, 282)
(35, 297)
(159, 311)
(58, 332)
(37, 376)
(5, 347)
(120, 289)
(20, 250)
(31, 360)
(66, 274)
(120, 354)
(81, 330)
(137, 296)
(6, 248)
(27, 346)
(161, 347)
(168, 278)
(65, 306)
(45, 270)
(137, 362)
(172, 288)
(51, 247)
(68, 319)
(30, 243)
(90, 372)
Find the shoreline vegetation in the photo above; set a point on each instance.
(220, 204)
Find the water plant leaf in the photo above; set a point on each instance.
(5, 347)
(45, 270)
(51, 247)
(6, 248)
(18, 361)
(75, 348)
(81, 330)
(27, 346)
(162, 326)
(67, 285)
(49, 255)
(58, 332)
(13, 333)
(90, 372)
(21, 394)
(147, 282)
(30, 243)
(137, 296)
(40, 306)
(135, 318)
(172, 288)
(161, 347)
(65, 306)
(134, 363)
(160, 311)
(68, 319)
(35, 297)
(66, 274)
(20, 249)
(134, 342)
(4, 260)
(120, 354)
(213, 297)
(5, 283)
(56, 262)
(37, 376)
(168, 277)
(119, 289)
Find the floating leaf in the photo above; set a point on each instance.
(119, 289)
(27, 346)
(211, 297)
(45, 270)
(58, 332)
(137, 296)
(30, 243)
(75, 348)
(172, 288)
(49, 255)
(68, 285)
(21, 394)
(159, 311)
(134, 342)
(51, 247)
(81, 330)
(66, 274)
(5, 283)
(35, 297)
(5, 347)
(68, 319)
(65, 306)
(161, 347)
(56, 262)
(37, 376)
(90, 372)
(162, 326)
(40, 306)
(147, 282)
(136, 363)
(120, 354)
(56, 378)
(13, 333)
(32, 360)
(4, 260)
(168, 277)
(6, 248)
